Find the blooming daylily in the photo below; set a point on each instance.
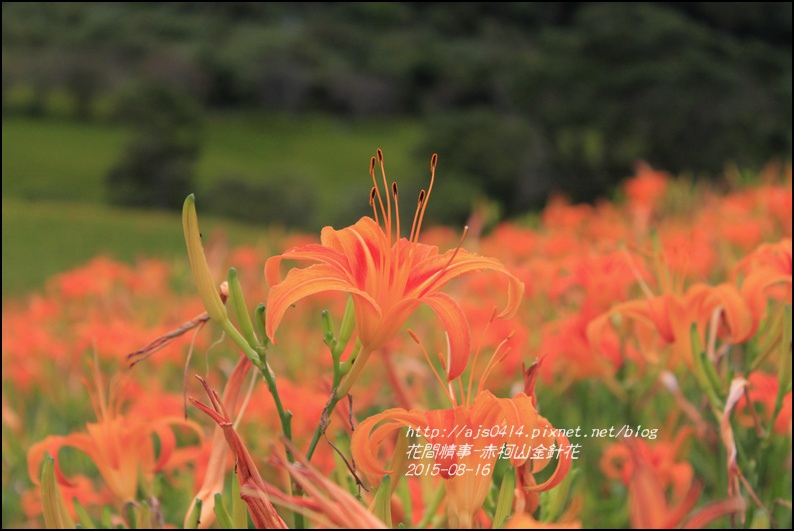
(649, 472)
(767, 267)
(467, 476)
(732, 311)
(388, 277)
(513, 430)
(672, 315)
(121, 446)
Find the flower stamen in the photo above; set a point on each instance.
(433, 368)
(428, 284)
(433, 162)
(414, 232)
(376, 190)
(372, 194)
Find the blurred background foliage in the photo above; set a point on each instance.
(270, 111)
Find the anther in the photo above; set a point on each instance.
(414, 228)
(396, 208)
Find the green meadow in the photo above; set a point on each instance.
(55, 214)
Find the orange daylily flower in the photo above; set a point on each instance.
(672, 316)
(121, 446)
(768, 267)
(621, 459)
(648, 471)
(388, 277)
(467, 475)
(732, 313)
(467, 440)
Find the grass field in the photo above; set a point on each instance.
(54, 211)
(62, 160)
(41, 239)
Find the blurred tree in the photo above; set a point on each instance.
(157, 168)
(501, 155)
(270, 202)
(84, 76)
(641, 80)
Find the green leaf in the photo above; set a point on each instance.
(82, 515)
(504, 503)
(222, 514)
(239, 511)
(382, 508)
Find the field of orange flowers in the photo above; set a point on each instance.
(626, 364)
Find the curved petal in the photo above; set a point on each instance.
(457, 327)
(366, 249)
(364, 226)
(754, 289)
(52, 445)
(312, 251)
(741, 324)
(436, 271)
(301, 283)
(520, 411)
(365, 444)
(162, 428)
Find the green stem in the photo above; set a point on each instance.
(322, 425)
(258, 356)
(340, 370)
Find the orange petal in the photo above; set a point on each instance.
(52, 445)
(313, 251)
(457, 328)
(301, 283)
(367, 439)
(425, 278)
